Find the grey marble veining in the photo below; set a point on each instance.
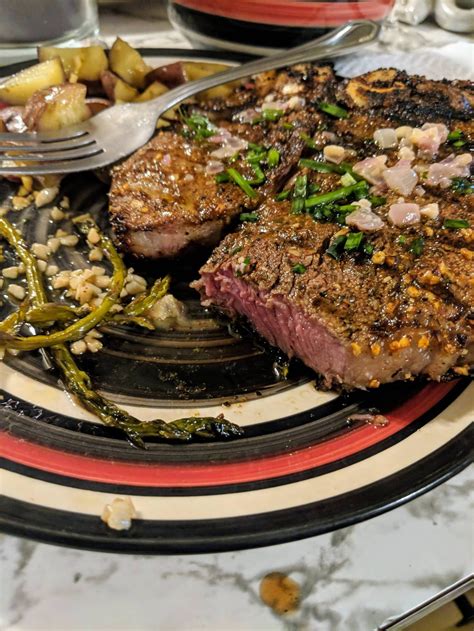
(351, 579)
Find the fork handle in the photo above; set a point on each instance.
(337, 42)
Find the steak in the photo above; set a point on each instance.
(401, 303)
(165, 196)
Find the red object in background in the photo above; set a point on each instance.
(256, 26)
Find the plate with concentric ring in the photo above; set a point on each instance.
(307, 462)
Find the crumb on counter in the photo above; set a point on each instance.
(119, 513)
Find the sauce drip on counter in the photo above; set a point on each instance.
(280, 592)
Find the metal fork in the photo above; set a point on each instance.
(119, 130)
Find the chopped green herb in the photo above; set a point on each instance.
(200, 126)
(401, 239)
(336, 247)
(377, 201)
(299, 194)
(340, 193)
(283, 195)
(333, 110)
(273, 158)
(321, 167)
(258, 173)
(459, 143)
(455, 224)
(272, 115)
(368, 248)
(462, 185)
(249, 217)
(417, 246)
(222, 177)
(308, 140)
(313, 188)
(347, 208)
(456, 138)
(347, 180)
(353, 241)
(256, 153)
(287, 125)
(246, 260)
(237, 248)
(299, 268)
(242, 182)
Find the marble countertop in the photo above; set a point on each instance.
(351, 580)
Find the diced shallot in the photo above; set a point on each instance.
(401, 178)
(429, 137)
(430, 211)
(166, 160)
(230, 146)
(213, 167)
(371, 169)
(441, 173)
(275, 105)
(246, 116)
(386, 138)
(365, 220)
(404, 214)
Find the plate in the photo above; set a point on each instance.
(301, 468)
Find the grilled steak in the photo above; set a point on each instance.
(165, 197)
(377, 286)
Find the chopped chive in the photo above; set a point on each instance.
(336, 246)
(308, 140)
(340, 193)
(259, 174)
(368, 248)
(417, 246)
(377, 201)
(313, 188)
(283, 195)
(401, 239)
(348, 180)
(246, 260)
(273, 157)
(333, 110)
(272, 115)
(457, 134)
(287, 125)
(242, 182)
(222, 177)
(200, 126)
(237, 248)
(462, 185)
(299, 194)
(455, 224)
(459, 143)
(249, 216)
(353, 241)
(255, 147)
(299, 268)
(347, 208)
(321, 167)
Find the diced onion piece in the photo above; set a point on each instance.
(429, 137)
(404, 131)
(371, 169)
(430, 211)
(401, 178)
(365, 220)
(404, 214)
(386, 138)
(214, 166)
(441, 173)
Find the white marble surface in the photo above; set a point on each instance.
(351, 579)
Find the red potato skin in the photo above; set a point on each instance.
(171, 75)
(97, 105)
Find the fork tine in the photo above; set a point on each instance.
(46, 136)
(63, 166)
(83, 152)
(75, 143)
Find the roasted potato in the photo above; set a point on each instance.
(153, 90)
(56, 107)
(194, 70)
(80, 64)
(128, 64)
(116, 89)
(171, 75)
(11, 119)
(18, 88)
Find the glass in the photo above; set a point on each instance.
(25, 24)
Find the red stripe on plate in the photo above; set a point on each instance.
(283, 13)
(186, 475)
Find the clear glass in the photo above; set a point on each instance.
(24, 24)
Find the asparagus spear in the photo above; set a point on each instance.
(78, 382)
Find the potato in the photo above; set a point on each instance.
(171, 75)
(19, 87)
(128, 64)
(83, 64)
(56, 107)
(153, 90)
(194, 70)
(11, 119)
(116, 89)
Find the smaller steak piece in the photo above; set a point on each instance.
(161, 199)
(355, 322)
